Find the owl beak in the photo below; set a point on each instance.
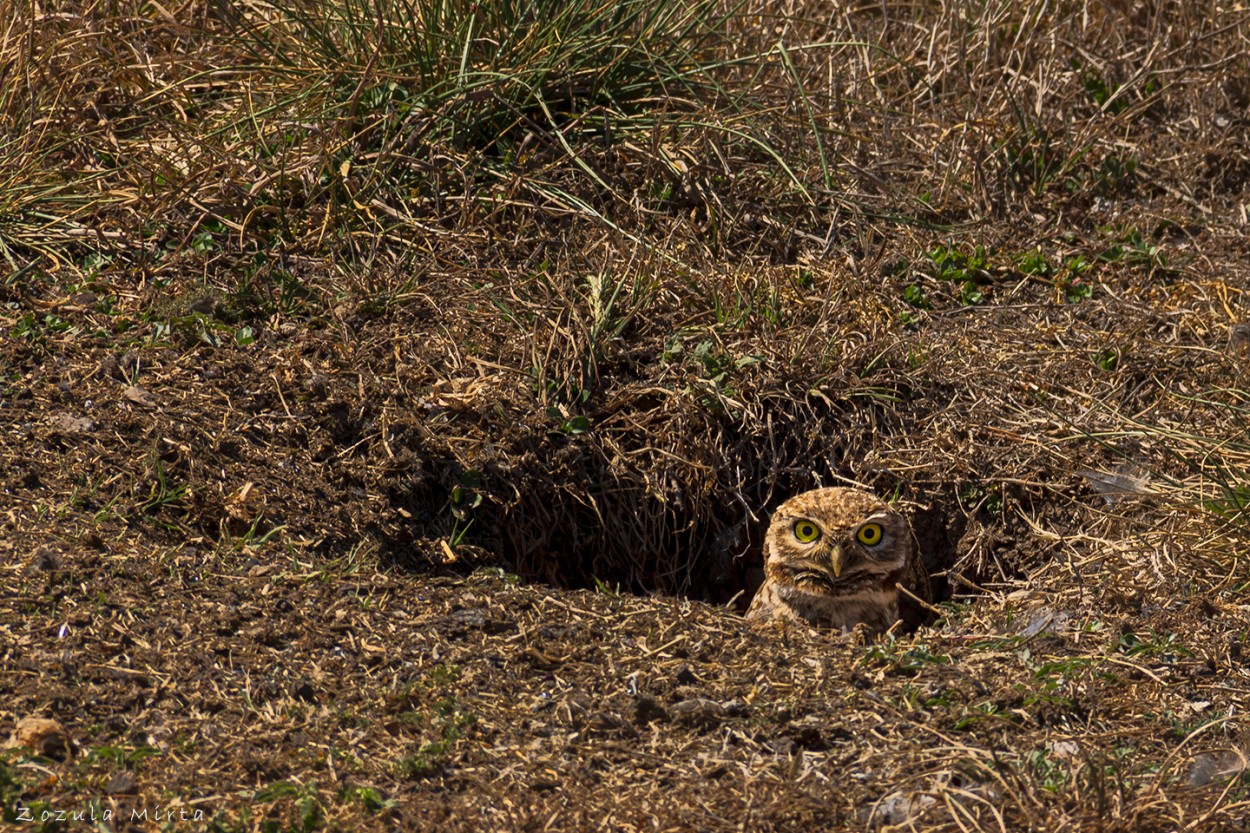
(838, 559)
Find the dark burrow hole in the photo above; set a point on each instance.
(637, 545)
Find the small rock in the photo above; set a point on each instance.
(1045, 619)
(42, 736)
(1239, 340)
(140, 397)
(783, 746)
(129, 363)
(698, 711)
(317, 384)
(121, 783)
(686, 692)
(69, 425)
(469, 618)
(1063, 749)
(609, 722)
(1210, 767)
(476, 619)
(898, 808)
(540, 659)
(204, 305)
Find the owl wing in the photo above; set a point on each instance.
(765, 603)
(769, 606)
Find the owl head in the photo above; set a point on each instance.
(836, 542)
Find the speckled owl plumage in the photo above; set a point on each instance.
(837, 580)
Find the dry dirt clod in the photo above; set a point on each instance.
(899, 808)
(68, 424)
(140, 397)
(41, 736)
(1239, 341)
(1216, 767)
(122, 783)
(699, 711)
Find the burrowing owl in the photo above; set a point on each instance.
(834, 558)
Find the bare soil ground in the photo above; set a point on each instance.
(448, 524)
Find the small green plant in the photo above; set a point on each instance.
(1033, 158)
(571, 425)
(914, 296)
(989, 711)
(715, 364)
(1102, 92)
(372, 799)
(1077, 265)
(253, 538)
(1233, 503)
(1055, 673)
(309, 807)
(982, 496)
(36, 329)
(162, 495)
(444, 674)
(1115, 174)
(905, 662)
(466, 497)
(122, 756)
(11, 788)
(204, 242)
(447, 720)
(1075, 290)
(606, 589)
(1051, 774)
(1107, 359)
(756, 300)
(1130, 248)
(1165, 648)
(954, 612)
(1034, 263)
(968, 271)
(507, 577)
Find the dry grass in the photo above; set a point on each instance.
(307, 316)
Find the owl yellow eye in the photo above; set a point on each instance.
(806, 531)
(869, 534)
